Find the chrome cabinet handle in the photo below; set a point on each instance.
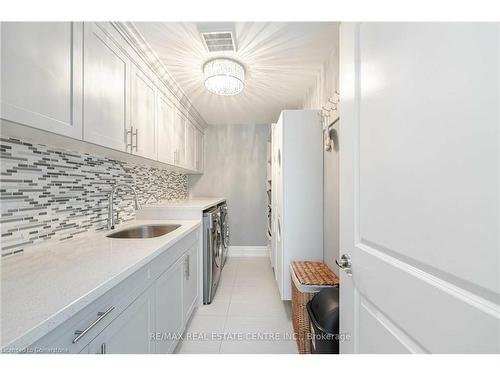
(136, 139)
(103, 348)
(345, 263)
(132, 134)
(100, 316)
(131, 144)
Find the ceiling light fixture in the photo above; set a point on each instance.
(224, 76)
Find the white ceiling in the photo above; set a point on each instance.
(282, 61)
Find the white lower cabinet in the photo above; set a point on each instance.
(169, 315)
(176, 297)
(130, 332)
(190, 282)
(145, 313)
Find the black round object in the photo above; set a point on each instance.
(323, 310)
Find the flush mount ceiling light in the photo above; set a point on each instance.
(224, 76)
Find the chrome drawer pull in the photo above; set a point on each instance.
(100, 316)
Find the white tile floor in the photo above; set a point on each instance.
(246, 316)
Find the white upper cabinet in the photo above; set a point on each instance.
(105, 94)
(41, 75)
(179, 139)
(165, 118)
(143, 128)
(198, 140)
(190, 146)
(85, 81)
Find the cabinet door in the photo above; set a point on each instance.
(142, 114)
(190, 146)
(198, 150)
(130, 332)
(168, 308)
(179, 138)
(105, 93)
(190, 288)
(41, 75)
(166, 144)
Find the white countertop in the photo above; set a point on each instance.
(191, 203)
(46, 285)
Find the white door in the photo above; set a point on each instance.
(419, 187)
(169, 308)
(41, 75)
(130, 332)
(105, 91)
(142, 115)
(166, 129)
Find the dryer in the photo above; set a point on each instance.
(224, 219)
(212, 253)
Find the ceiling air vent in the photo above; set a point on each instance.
(222, 41)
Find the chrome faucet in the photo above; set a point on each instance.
(111, 217)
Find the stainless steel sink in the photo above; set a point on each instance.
(144, 231)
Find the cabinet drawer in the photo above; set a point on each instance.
(114, 302)
(130, 332)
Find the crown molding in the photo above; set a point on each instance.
(137, 41)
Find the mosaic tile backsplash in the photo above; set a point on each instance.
(49, 193)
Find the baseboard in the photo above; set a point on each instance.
(248, 251)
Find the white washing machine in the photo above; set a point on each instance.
(212, 253)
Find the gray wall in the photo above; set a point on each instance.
(331, 208)
(235, 168)
(317, 97)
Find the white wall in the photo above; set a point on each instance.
(326, 84)
(235, 168)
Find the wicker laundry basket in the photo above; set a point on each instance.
(308, 278)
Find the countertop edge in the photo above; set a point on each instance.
(60, 316)
(176, 205)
